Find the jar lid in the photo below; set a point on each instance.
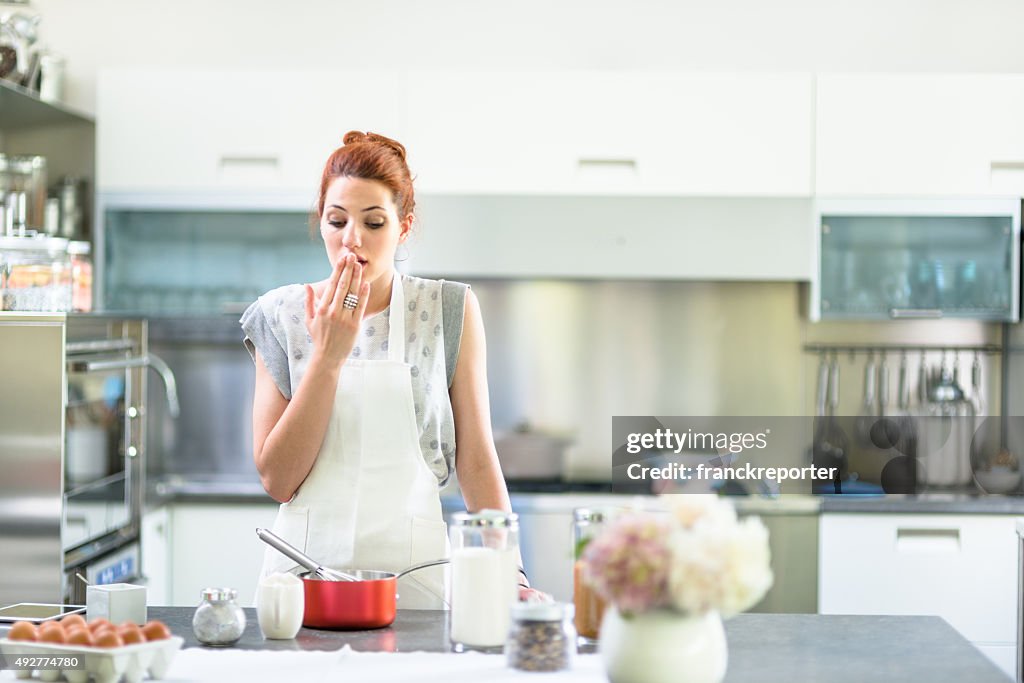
(594, 514)
(78, 248)
(486, 518)
(542, 611)
(219, 594)
(34, 243)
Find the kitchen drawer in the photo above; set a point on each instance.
(181, 131)
(962, 568)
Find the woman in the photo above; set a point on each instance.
(365, 383)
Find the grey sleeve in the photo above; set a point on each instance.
(259, 335)
(453, 309)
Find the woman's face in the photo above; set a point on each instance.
(360, 217)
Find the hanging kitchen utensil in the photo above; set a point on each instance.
(945, 438)
(994, 466)
(868, 408)
(899, 475)
(833, 446)
(885, 430)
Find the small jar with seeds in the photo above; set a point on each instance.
(542, 637)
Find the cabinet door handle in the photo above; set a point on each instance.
(244, 160)
(929, 540)
(607, 162)
(915, 312)
(1006, 165)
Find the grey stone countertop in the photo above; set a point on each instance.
(221, 490)
(762, 647)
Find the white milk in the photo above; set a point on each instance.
(484, 587)
(280, 603)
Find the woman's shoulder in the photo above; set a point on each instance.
(272, 305)
(414, 283)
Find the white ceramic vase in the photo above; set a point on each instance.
(663, 646)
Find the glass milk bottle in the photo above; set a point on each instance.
(484, 573)
(587, 524)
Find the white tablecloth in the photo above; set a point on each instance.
(256, 666)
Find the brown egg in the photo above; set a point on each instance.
(48, 626)
(97, 623)
(108, 639)
(72, 620)
(131, 634)
(23, 630)
(80, 636)
(156, 630)
(52, 635)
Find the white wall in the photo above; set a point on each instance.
(784, 35)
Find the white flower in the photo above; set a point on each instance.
(719, 564)
(690, 508)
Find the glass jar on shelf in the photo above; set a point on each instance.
(35, 274)
(81, 275)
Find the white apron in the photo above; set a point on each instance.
(370, 501)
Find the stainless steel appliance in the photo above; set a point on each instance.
(72, 445)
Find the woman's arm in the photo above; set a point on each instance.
(476, 462)
(476, 459)
(287, 434)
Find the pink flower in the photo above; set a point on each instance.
(629, 563)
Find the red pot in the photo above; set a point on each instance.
(367, 603)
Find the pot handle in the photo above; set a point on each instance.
(422, 565)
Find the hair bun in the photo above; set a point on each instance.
(354, 137)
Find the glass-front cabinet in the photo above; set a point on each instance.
(183, 262)
(896, 260)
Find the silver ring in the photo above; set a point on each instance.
(350, 301)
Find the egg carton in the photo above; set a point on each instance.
(102, 665)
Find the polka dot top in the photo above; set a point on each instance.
(275, 324)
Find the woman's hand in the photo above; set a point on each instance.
(332, 326)
(527, 594)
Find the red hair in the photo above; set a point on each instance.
(371, 157)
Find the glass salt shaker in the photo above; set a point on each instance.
(218, 620)
(542, 637)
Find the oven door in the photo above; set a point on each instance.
(104, 439)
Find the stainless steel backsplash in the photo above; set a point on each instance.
(565, 356)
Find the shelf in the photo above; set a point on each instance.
(22, 108)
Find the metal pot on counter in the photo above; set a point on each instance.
(334, 599)
(531, 454)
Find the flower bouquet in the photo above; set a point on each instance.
(669, 579)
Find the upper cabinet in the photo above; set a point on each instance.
(920, 135)
(611, 133)
(238, 131)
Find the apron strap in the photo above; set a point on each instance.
(396, 321)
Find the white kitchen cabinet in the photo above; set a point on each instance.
(215, 545)
(192, 131)
(611, 132)
(673, 238)
(919, 134)
(960, 567)
(156, 555)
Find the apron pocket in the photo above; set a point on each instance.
(429, 541)
(292, 525)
